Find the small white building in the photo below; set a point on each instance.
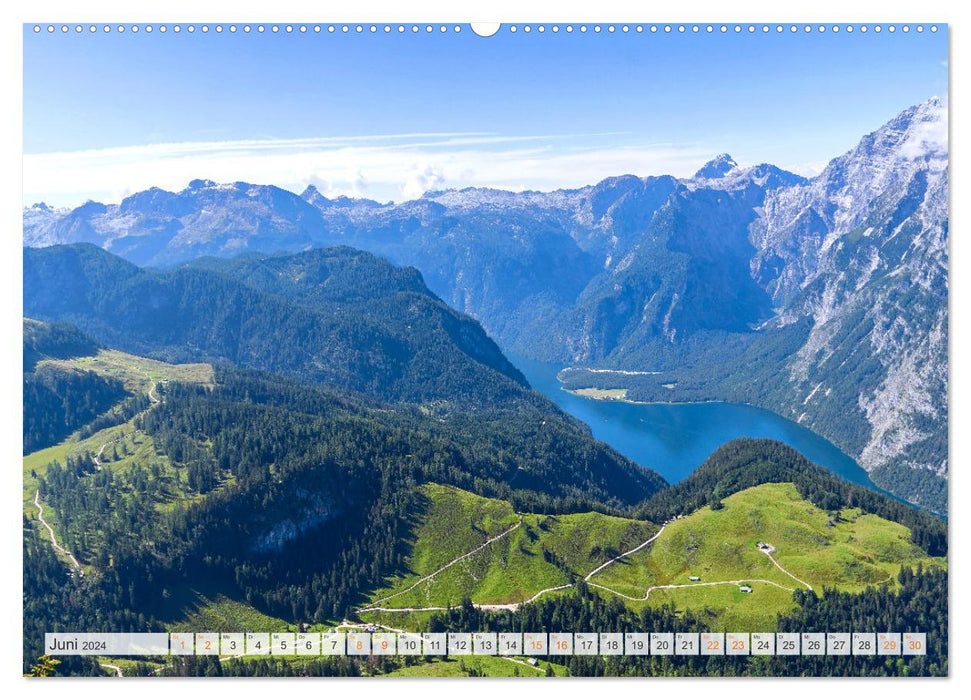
(694, 578)
(745, 589)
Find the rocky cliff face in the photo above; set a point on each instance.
(861, 251)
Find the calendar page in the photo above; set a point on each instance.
(548, 349)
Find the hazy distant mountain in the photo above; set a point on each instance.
(716, 168)
(162, 228)
(822, 299)
(528, 265)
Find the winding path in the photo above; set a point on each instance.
(151, 397)
(738, 582)
(490, 607)
(625, 554)
(75, 564)
(97, 457)
(376, 607)
(420, 581)
(768, 553)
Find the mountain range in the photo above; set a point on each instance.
(823, 299)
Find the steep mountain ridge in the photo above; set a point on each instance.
(861, 251)
(399, 342)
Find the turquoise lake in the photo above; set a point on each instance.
(674, 439)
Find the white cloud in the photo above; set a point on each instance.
(927, 135)
(421, 179)
(382, 167)
(353, 184)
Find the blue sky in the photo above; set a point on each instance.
(388, 115)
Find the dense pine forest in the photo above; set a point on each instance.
(913, 607)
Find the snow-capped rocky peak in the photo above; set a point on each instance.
(717, 167)
(39, 218)
(904, 160)
(926, 132)
(314, 196)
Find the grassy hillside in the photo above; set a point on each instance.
(537, 551)
(137, 374)
(847, 550)
(223, 614)
(492, 666)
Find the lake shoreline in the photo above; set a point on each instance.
(576, 392)
(674, 438)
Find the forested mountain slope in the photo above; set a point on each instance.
(397, 342)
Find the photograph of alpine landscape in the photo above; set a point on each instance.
(532, 350)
